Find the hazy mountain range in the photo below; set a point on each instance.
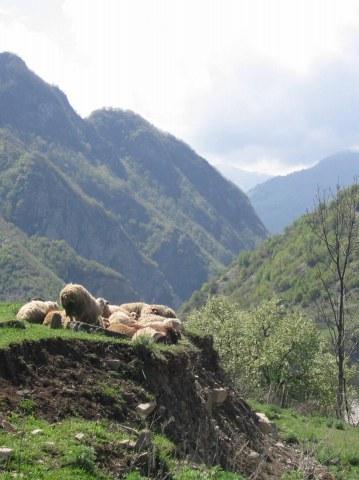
(281, 200)
(242, 178)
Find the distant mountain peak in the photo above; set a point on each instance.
(8, 59)
(281, 200)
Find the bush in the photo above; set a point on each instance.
(271, 353)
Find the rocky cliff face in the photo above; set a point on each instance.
(117, 190)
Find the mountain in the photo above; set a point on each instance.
(30, 266)
(281, 200)
(243, 179)
(116, 191)
(283, 266)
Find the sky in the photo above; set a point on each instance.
(268, 86)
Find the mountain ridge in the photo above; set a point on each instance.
(116, 189)
(281, 200)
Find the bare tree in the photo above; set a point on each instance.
(334, 222)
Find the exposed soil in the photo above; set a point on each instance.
(63, 378)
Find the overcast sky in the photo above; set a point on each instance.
(265, 85)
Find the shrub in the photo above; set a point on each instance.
(271, 353)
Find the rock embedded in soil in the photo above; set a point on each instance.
(265, 425)
(5, 454)
(145, 409)
(7, 426)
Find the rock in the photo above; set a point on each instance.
(5, 454)
(215, 397)
(253, 455)
(279, 445)
(80, 436)
(127, 443)
(220, 395)
(145, 409)
(144, 440)
(265, 425)
(37, 431)
(7, 426)
(113, 364)
(25, 391)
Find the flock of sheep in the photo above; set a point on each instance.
(133, 320)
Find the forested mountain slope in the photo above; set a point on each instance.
(116, 190)
(283, 266)
(32, 266)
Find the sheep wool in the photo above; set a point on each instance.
(134, 307)
(150, 333)
(80, 305)
(161, 310)
(36, 311)
(128, 330)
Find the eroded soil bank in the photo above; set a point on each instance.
(58, 378)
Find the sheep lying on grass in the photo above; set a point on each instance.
(122, 317)
(134, 320)
(56, 319)
(151, 333)
(128, 330)
(161, 310)
(150, 318)
(107, 309)
(35, 311)
(134, 307)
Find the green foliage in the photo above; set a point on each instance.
(83, 457)
(272, 352)
(284, 266)
(203, 473)
(134, 476)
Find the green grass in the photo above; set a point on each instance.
(35, 332)
(330, 441)
(39, 332)
(55, 453)
(8, 311)
(203, 473)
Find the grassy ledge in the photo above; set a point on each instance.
(332, 442)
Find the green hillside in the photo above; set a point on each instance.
(33, 266)
(284, 266)
(116, 190)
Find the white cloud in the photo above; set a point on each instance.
(249, 81)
